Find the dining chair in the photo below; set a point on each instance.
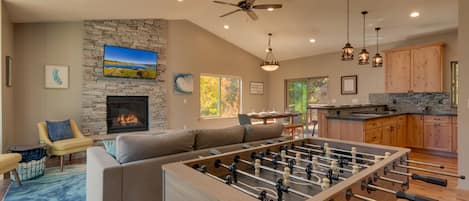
(244, 119)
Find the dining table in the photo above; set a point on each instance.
(265, 116)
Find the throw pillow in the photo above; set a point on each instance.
(110, 146)
(59, 130)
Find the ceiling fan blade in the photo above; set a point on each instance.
(252, 14)
(225, 3)
(237, 10)
(267, 6)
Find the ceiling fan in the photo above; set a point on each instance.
(247, 6)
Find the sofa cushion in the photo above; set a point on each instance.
(59, 130)
(206, 138)
(138, 147)
(262, 132)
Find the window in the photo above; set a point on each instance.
(454, 83)
(302, 92)
(220, 96)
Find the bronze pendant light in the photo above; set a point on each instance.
(270, 63)
(377, 60)
(347, 51)
(364, 56)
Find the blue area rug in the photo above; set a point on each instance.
(69, 185)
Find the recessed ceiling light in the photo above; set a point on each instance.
(226, 26)
(267, 50)
(270, 9)
(312, 40)
(414, 14)
(180, 0)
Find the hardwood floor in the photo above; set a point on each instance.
(450, 193)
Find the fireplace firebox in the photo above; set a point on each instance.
(127, 113)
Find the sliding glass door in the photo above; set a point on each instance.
(304, 91)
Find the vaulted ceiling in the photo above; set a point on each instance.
(293, 25)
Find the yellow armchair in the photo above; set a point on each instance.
(9, 162)
(78, 143)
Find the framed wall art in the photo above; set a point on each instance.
(56, 76)
(256, 88)
(349, 85)
(183, 83)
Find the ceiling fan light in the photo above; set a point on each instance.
(347, 52)
(377, 61)
(270, 9)
(364, 57)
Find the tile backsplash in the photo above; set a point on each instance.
(414, 102)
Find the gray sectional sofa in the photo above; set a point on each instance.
(135, 174)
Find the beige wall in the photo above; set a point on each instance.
(192, 49)
(35, 46)
(370, 80)
(463, 110)
(1, 79)
(7, 92)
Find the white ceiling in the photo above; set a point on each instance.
(292, 26)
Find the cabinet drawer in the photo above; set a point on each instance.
(437, 119)
(374, 136)
(374, 123)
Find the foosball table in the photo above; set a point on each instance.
(298, 170)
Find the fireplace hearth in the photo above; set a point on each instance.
(127, 113)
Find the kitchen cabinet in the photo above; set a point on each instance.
(322, 123)
(397, 71)
(415, 69)
(415, 131)
(454, 147)
(438, 133)
(345, 130)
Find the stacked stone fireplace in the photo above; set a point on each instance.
(138, 34)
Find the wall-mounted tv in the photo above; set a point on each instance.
(129, 63)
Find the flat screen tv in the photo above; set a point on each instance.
(129, 63)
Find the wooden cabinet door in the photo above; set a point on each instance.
(454, 128)
(401, 131)
(322, 123)
(415, 131)
(333, 130)
(438, 137)
(352, 131)
(374, 136)
(388, 135)
(427, 69)
(397, 71)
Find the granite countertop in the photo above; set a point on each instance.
(364, 117)
(335, 107)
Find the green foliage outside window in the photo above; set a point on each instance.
(219, 96)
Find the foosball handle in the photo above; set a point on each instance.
(412, 197)
(430, 180)
(309, 171)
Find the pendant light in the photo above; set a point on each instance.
(364, 56)
(270, 62)
(377, 60)
(347, 51)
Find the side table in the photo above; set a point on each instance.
(32, 164)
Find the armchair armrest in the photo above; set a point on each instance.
(76, 131)
(43, 134)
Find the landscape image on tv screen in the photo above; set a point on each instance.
(129, 63)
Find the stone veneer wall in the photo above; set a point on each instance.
(139, 34)
(414, 102)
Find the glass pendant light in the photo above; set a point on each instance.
(364, 56)
(347, 51)
(270, 62)
(377, 60)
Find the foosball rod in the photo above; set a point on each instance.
(280, 172)
(327, 158)
(203, 171)
(336, 154)
(432, 171)
(349, 194)
(426, 179)
(262, 179)
(400, 194)
(307, 161)
(376, 176)
(319, 163)
(424, 163)
(294, 166)
(344, 150)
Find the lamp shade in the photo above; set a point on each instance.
(364, 57)
(377, 61)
